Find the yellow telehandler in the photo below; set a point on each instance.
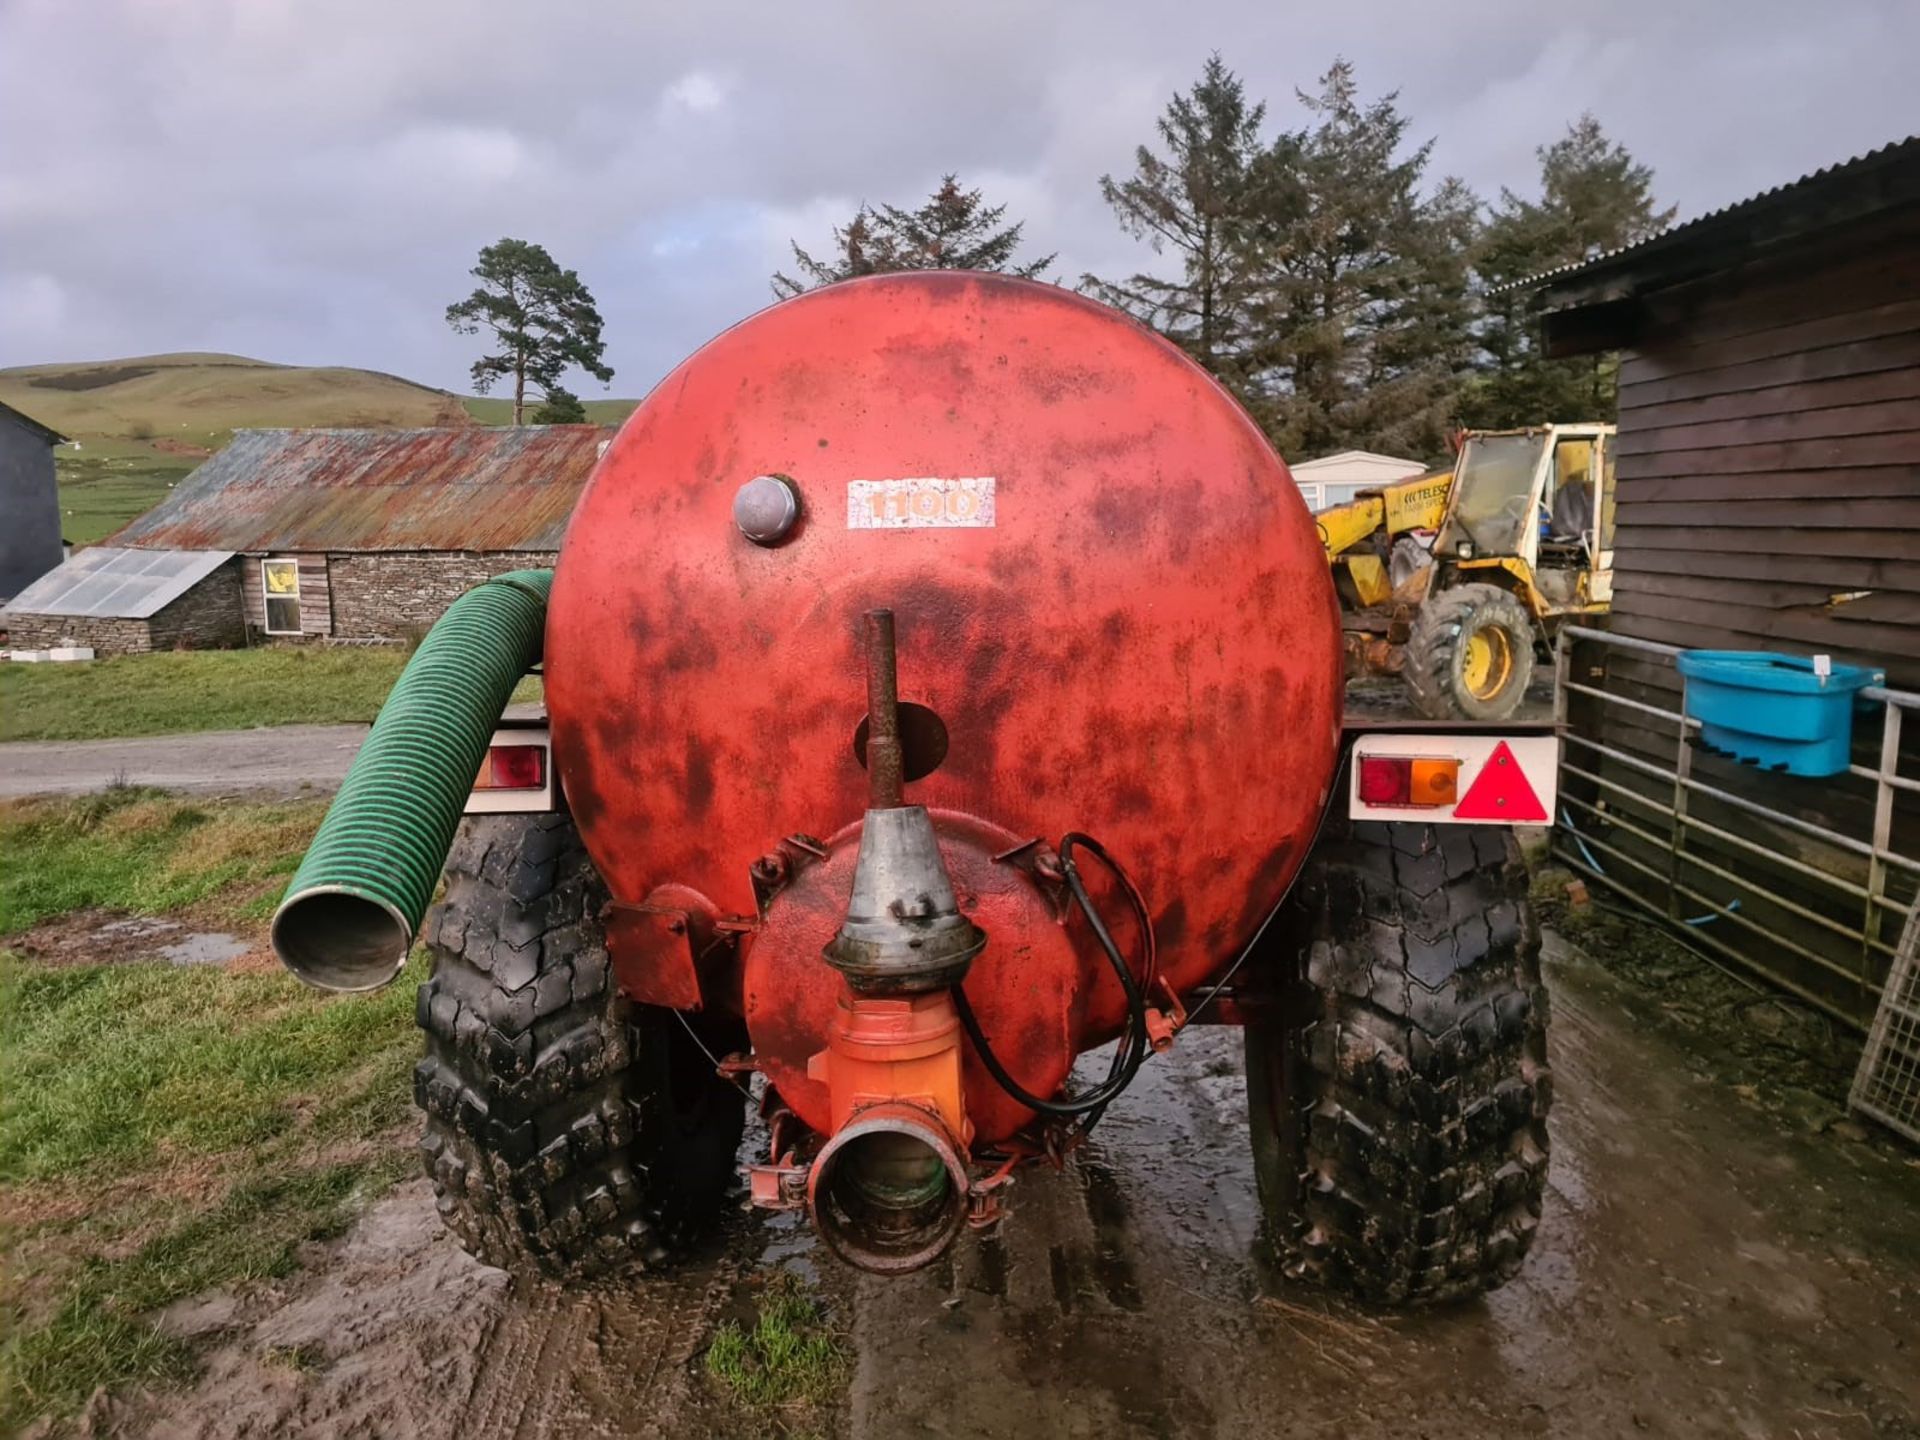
(1522, 537)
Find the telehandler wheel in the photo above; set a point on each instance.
(1399, 1090)
(1469, 653)
(568, 1130)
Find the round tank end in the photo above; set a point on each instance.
(334, 939)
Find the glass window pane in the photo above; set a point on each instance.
(1493, 487)
(280, 583)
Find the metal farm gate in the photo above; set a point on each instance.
(1806, 883)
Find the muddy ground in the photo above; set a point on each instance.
(1706, 1267)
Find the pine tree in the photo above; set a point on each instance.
(1359, 307)
(561, 407)
(1594, 197)
(1216, 185)
(954, 230)
(860, 247)
(543, 317)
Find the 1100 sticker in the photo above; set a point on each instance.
(918, 504)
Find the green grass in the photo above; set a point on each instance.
(179, 691)
(498, 410)
(106, 483)
(187, 398)
(146, 852)
(166, 1130)
(115, 1066)
(145, 422)
(788, 1360)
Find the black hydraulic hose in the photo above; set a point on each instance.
(1134, 1044)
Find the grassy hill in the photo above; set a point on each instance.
(495, 410)
(143, 423)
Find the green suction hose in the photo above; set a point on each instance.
(356, 902)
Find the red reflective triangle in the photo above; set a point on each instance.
(1501, 792)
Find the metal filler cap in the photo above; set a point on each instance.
(766, 509)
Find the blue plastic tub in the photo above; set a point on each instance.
(1772, 710)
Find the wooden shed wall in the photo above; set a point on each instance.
(1769, 456)
(1768, 462)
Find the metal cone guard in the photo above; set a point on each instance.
(904, 932)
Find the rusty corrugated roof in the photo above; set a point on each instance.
(470, 488)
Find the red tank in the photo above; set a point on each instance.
(1113, 616)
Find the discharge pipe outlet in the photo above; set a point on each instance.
(350, 916)
(888, 1192)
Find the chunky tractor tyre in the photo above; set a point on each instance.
(1399, 1087)
(1469, 653)
(568, 1131)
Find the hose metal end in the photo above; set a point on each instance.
(336, 938)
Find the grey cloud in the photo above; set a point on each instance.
(309, 181)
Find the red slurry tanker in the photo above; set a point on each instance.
(943, 681)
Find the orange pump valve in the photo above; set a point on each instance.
(894, 1048)
(890, 1191)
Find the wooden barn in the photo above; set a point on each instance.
(1768, 470)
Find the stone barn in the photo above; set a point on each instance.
(128, 602)
(357, 535)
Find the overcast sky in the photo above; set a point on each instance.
(308, 180)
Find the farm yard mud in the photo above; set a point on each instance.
(1704, 1268)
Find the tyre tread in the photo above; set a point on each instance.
(533, 1077)
(1412, 1164)
(1431, 670)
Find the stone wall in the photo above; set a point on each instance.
(107, 637)
(208, 617)
(397, 594)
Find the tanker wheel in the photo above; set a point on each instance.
(1399, 1088)
(1470, 653)
(568, 1130)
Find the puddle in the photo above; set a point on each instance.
(111, 937)
(206, 948)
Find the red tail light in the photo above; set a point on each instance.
(1385, 780)
(1420, 782)
(514, 767)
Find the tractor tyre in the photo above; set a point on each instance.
(1398, 1083)
(1469, 654)
(569, 1131)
